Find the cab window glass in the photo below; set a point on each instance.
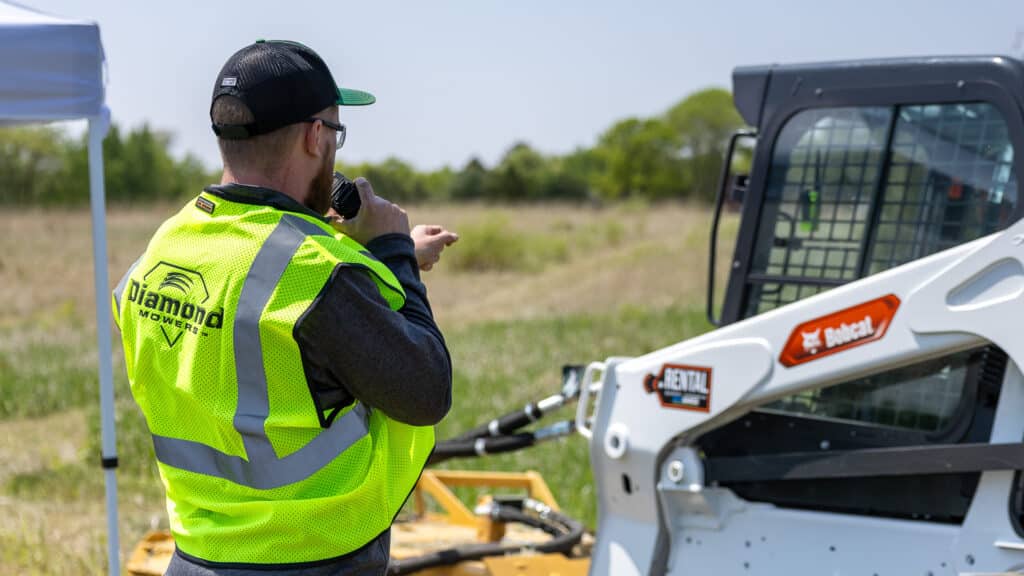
(922, 397)
(826, 167)
(950, 180)
(947, 179)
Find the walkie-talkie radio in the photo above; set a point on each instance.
(345, 196)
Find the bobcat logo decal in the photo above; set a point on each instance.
(812, 341)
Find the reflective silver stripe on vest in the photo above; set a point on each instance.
(119, 289)
(262, 468)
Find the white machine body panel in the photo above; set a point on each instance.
(651, 405)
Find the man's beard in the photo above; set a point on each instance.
(319, 197)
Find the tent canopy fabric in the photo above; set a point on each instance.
(50, 68)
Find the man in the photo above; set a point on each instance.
(289, 372)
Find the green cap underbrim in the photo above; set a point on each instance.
(349, 97)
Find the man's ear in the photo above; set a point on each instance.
(311, 139)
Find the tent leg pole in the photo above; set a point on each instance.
(97, 131)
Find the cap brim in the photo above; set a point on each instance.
(349, 97)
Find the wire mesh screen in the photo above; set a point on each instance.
(950, 180)
(839, 206)
(772, 294)
(824, 174)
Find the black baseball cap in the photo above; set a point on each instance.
(282, 83)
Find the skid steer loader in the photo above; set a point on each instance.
(859, 411)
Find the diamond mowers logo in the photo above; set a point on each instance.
(679, 386)
(174, 297)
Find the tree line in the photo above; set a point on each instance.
(674, 155)
(44, 166)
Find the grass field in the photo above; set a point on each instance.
(525, 291)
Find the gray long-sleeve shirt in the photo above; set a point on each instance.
(354, 346)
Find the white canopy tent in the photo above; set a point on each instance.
(51, 69)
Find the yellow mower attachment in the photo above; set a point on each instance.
(424, 531)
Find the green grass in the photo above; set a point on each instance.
(82, 479)
(500, 366)
(42, 375)
(30, 552)
(494, 245)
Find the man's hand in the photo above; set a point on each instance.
(430, 241)
(376, 217)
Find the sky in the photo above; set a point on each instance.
(457, 79)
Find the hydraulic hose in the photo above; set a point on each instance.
(533, 411)
(566, 533)
(498, 444)
(479, 447)
(506, 424)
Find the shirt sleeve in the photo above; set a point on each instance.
(353, 346)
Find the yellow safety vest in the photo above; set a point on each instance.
(206, 316)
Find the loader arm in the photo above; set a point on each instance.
(955, 300)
